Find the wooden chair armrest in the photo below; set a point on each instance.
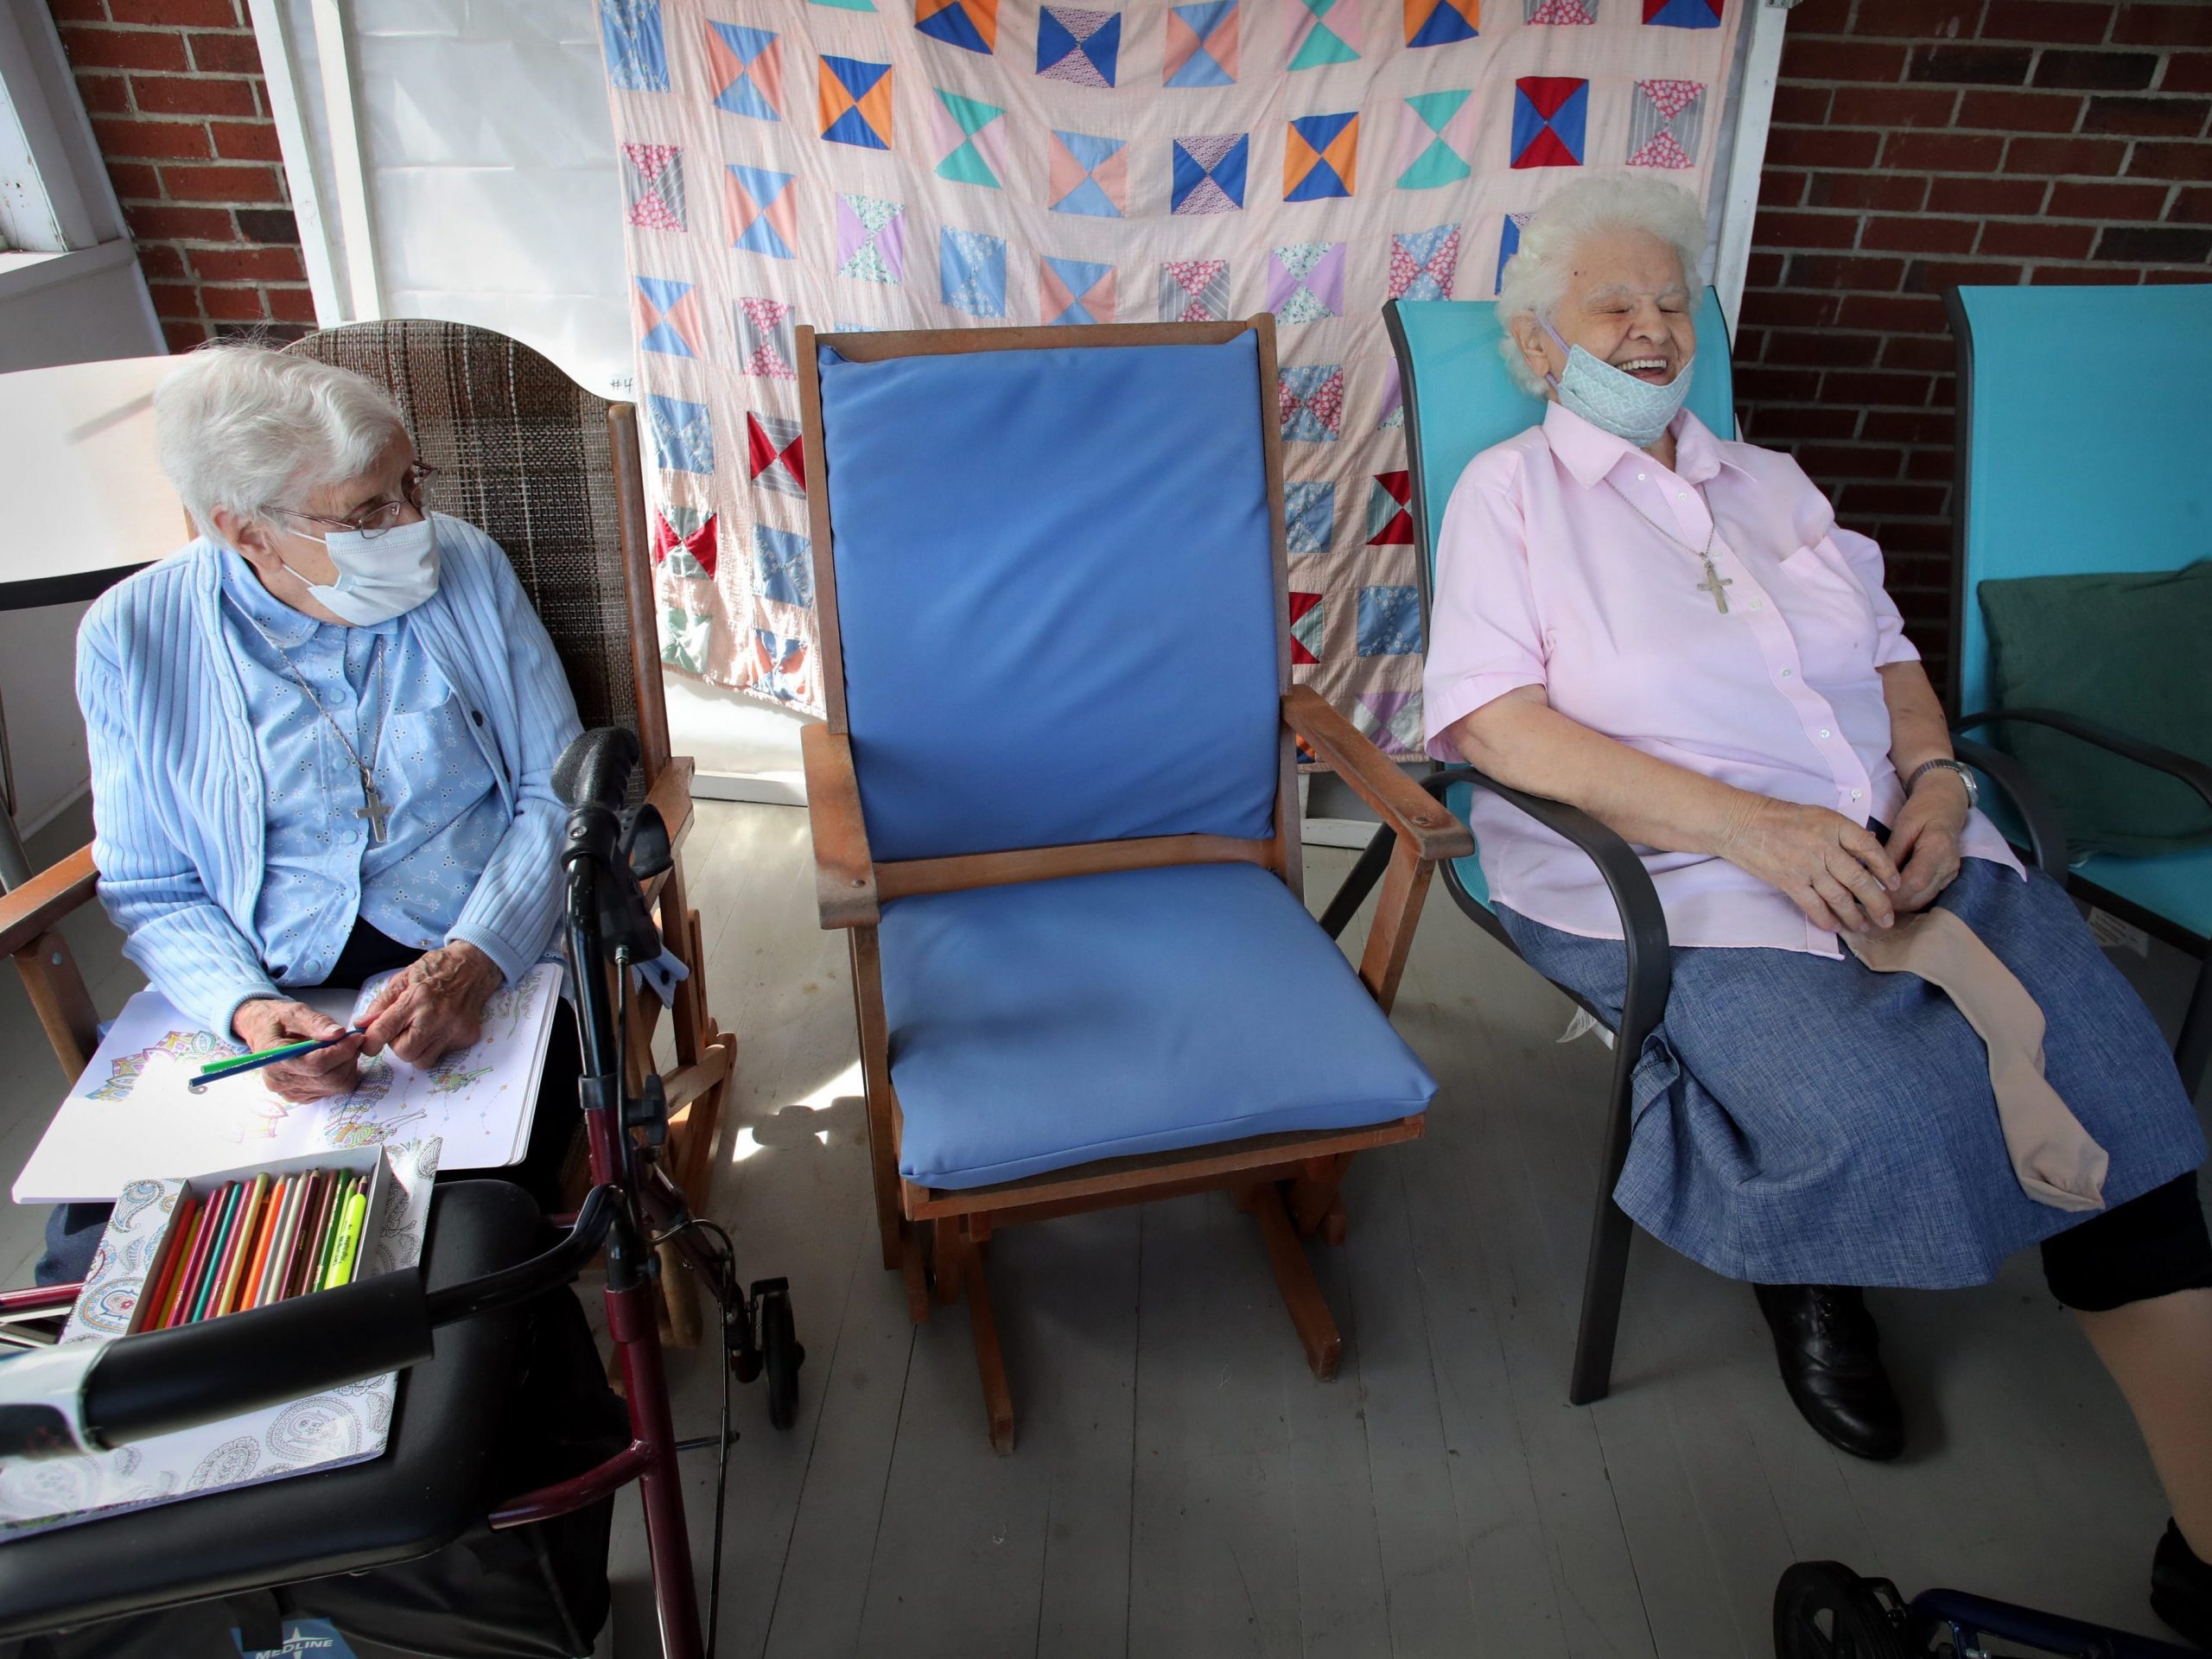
(1399, 802)
(670, 794)
(41, 903)
(844, 874)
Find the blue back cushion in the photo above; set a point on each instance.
(1459, 400)
(1055, 595)
(2086, 434)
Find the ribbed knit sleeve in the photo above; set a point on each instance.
(150, 884)
(517, 902)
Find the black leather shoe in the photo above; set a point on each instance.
(1832, 1365)
(2181, 1587)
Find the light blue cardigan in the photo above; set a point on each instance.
(178, 803)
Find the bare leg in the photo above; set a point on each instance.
(2160, 1353)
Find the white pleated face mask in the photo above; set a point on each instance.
(1615, 400)
(378, 577)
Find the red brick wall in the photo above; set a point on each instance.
(175, 92)
(1922, 144)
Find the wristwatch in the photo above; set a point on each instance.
(1966, 777)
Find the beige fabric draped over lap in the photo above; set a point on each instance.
(2053, 1156)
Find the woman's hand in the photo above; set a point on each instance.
(1830, 867)
(434, 1005)
(268, 1022)
(1924, 841)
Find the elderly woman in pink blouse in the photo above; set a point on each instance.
(1669, 630)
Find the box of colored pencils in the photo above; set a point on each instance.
(245, 1238)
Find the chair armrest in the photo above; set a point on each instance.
(2046, 834)
(844, 874)
(41, 902)
(1393, 796)
(1644, 922)
(670, 794)
(2193, 773)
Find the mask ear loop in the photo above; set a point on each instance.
(1565, 350)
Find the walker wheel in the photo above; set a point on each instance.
(1822, 1610)
(781, 1356)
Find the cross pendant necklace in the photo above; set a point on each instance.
(1715, 583)
(372, 806)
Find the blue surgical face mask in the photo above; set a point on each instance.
(381, 577)
(1614, 399)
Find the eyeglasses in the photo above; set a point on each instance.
(414, 492)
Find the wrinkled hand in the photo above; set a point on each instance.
(1828, 867)
(434, 1005)
(268, 1021)
(1924, 841)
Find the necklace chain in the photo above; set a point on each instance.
(1715, 583)
(374, 810)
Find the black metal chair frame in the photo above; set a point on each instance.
(1643, 929)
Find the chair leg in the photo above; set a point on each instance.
(990, 1359)
(944, 1259)
(915, 1273)
(1314, 1195)
(2193, 1052)
(1301, 1291)
(679, 1299)
(1606, 1271)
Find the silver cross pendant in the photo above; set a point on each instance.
(373, 808)
(1714, 582)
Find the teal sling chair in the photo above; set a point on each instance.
(1458, 402)
(1055, 801)
(2132, 492)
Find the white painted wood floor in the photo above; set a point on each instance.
(1183, 1487)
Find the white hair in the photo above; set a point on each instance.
(1534, 280)
(248, 428)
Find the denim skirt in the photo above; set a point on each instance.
(1803, 1120)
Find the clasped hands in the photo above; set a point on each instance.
(431, 1008)
(1836, 872)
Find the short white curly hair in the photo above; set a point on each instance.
(1535, 279)
(251, 429)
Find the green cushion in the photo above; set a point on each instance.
(2127, 652)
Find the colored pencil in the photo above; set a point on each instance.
(255, 1238)
(320, 1276)
(241, 1245)
(288, 1217)
(173, 1247)
(203, 1230)
(303, 1237)
(348, 1248)
(232, 1191)
(280, 1277)
(258, 1269)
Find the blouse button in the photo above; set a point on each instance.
(1787, 672)
(1856, 793)
(1758, 604)
(1639, 478)
(1824, 731)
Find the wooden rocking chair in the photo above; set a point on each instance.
(1056, 801)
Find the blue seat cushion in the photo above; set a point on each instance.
(1038, 1026)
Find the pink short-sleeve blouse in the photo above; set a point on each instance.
(1546, 576)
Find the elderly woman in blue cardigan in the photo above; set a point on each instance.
(323, 739)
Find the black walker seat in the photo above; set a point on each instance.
(432, 1482)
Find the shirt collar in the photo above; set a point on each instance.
(285, 626)
(1590, 453)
